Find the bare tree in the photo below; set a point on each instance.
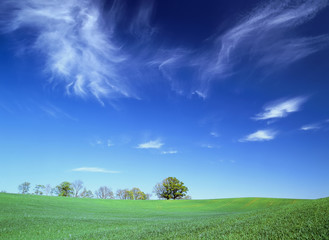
(148, 196)
(48, 189)
(104, 193)
(120, 193)
(158, 190)
(77, 186)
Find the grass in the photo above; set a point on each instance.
(41, 217)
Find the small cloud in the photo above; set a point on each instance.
(259, 136)
(200, 94)
(169, 152)
(93, 169)
(315, 126)
(214, 134)
(309, 127)
(207, 146)
(210, 146)
(151, 144)
(109, 143)
(281, 108)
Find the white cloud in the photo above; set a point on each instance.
(214, 134)
(169, 152)
(265, 37)
(85, 53)
(207, 146)
(93, 169)
(259, 136)
(78, 42)
(151, 144)
(109, 143)
(280, 109)
(315, 126)
(210, 146)
(310, 127)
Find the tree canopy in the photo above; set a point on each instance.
(65, 189)
(170, 188)
(24, 188)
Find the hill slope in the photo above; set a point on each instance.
(40, 217)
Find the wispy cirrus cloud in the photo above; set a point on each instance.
(259, 136)
(94, 169)
(315, 126)
(309, 127)
(281, 108)
(264, 38)
(55, 112)
(78, 41)
(85, 52)
(155, 144)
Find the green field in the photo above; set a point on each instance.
(41, 217)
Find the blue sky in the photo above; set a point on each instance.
(230, 98)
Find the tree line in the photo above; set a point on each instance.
(169, 188)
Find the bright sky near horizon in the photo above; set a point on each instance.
(230, 97)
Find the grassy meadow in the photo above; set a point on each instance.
(42, 217)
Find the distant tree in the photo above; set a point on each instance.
(159, 189)
(187, 197)
(53, 191)
(125, 194)
(138, 194)
(120, 193)
(64, 189)
(148, 196)
(170, 188)
(104, 193)
(3, 191)
(39, 189)
(24, 188)
(128, 195)
(77, 186)
(86, 194)
(48, 190)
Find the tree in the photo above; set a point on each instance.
(39, 189)
(24, 188)
(120, 193)
(170, 188)
(48, 190)
(187, 197)
(148, 196)
(77, 186)
(86, 193)
(104, 193)
(128, 195)
(125, 194)
(138, 194)
(159, 190)
(64, 189)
